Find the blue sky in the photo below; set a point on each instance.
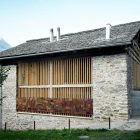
(22, 20)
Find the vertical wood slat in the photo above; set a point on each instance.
(83, 71)
(67, 71)
(22, 74)
(90, 73)
(73, 72)
(78, 71)
(55, 95)
(45, 73)
(86, 70)
(83, 67)
(56, 72)
(19, 75)
(51, 82)
(21, 92)
(32, 93)
(59, 70)
(70, 75)
(34, 73)
(30, 73)
(40, 64)
(62, 71)
(54, 76)
(48, 73)
(37, 74)
(71, 68)
(26, 74)
(136, 74)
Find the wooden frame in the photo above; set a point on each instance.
(60, 79)
(136, 75)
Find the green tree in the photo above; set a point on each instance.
(3, 74)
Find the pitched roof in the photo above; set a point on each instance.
(120, 35)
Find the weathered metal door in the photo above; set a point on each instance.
(136, 104)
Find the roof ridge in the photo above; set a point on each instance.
(47, 38)
(80, 32)
(66, 35)
(128, 23)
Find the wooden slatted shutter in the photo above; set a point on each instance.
(136, 75)
(61, 80)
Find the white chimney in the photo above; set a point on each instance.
(51, 35)
(58, 33)
(108, 27)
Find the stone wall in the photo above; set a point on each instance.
(9, 102)
(109, 96)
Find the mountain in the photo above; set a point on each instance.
(3, 44)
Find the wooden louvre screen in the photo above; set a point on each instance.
(35, 73)
(71, 71)
(57, 82)
(136, 75)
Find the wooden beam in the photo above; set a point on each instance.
(132, 53)
(50, 94)
(137, 53)
(57, 86)
(136, 45)
(135, 42)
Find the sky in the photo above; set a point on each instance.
(22, 20)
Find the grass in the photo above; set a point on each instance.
(72, 134)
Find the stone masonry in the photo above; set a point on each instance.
(110, 96)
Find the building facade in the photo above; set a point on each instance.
(81, 80)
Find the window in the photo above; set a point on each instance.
(136, 75)
(61, 87)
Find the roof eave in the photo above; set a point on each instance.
(63, 51)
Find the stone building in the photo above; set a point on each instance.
(84, 77)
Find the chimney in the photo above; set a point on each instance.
(51, 35)
(58, 33)
(108, 27)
